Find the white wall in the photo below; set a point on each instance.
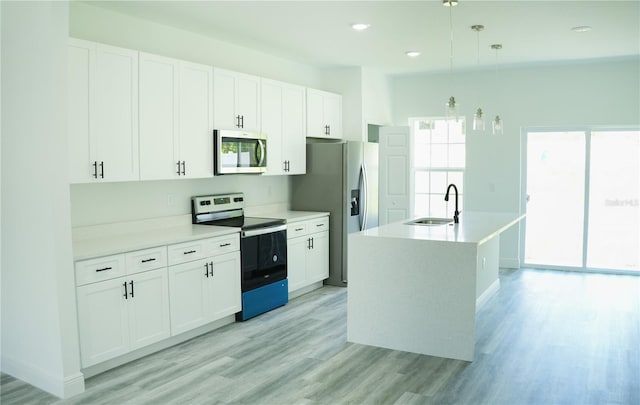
(365, 99)
(588, 93)
(39, 334)
(376, 98)
(102, 25)
(114, 202)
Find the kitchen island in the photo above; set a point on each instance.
(416, 288)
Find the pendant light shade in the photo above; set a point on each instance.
(452, 108)
(478, 120)
(498, 124)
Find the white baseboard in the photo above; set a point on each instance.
(305, 290)
(60, 386)
(488, 293)
(510, 262)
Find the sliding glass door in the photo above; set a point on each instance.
(614, 221)
(582, 191)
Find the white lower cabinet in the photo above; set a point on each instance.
(122, 314)
(128, 301)
(307, 252)
(207, 289)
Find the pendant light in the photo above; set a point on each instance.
(478, 117)
(498, 124)
(452, 106)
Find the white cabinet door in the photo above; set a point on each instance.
(333, 114)
(102, 321)
(316, 125)
(324, 114)
(81, 60)
(148, 306)
(271, 109)
(248, 101)
(283, 121)
(195, 143)
(318, 257)
(114, 131)
(297, 262)
(189, 295)
(225, 285)
(158, 116)
(236, 103)
(293, 129)
(307, 252)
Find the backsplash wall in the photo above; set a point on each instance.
(102, 203)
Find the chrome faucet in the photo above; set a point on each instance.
(456, 213)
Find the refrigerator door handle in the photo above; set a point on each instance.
(365, 195)
(361, 196)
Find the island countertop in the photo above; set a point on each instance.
(474, 227)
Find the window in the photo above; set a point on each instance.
(439, 160)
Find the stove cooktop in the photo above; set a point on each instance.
(246, 223)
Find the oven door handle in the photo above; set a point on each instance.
(262, 231)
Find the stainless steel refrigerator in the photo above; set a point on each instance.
(341, 178)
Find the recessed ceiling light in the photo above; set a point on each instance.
(360, 26)
(581, 28)
(412, 54)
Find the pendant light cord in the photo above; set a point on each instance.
(451, 44)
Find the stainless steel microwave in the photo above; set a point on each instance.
(239, 152)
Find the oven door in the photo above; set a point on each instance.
(239, 152)
(264, 256)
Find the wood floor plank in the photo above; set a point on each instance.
(546, 337)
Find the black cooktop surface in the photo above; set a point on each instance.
(246, 223)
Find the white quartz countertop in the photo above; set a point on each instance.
(474, 227)
(109, 239)
(126, 239)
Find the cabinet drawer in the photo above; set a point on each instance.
(319, 225)
(186, 252)
(223, 244)
(147, 259)
(297, 229)
(99, 269)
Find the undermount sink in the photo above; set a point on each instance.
(430, 221)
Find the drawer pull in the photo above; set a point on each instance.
(225, 244)
(319, 225)
(299, 229)
(103, 269)
(149, 260)
(189, 252)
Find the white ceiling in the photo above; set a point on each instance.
(318, 33)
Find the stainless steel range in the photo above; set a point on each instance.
(263, 250)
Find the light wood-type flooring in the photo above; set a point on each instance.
(547, 337)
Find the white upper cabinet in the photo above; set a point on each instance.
(103, 112)
(158, 117)
(195, 142)
(236, 103)
(176, 119)
(283, 122)
(324, 114)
